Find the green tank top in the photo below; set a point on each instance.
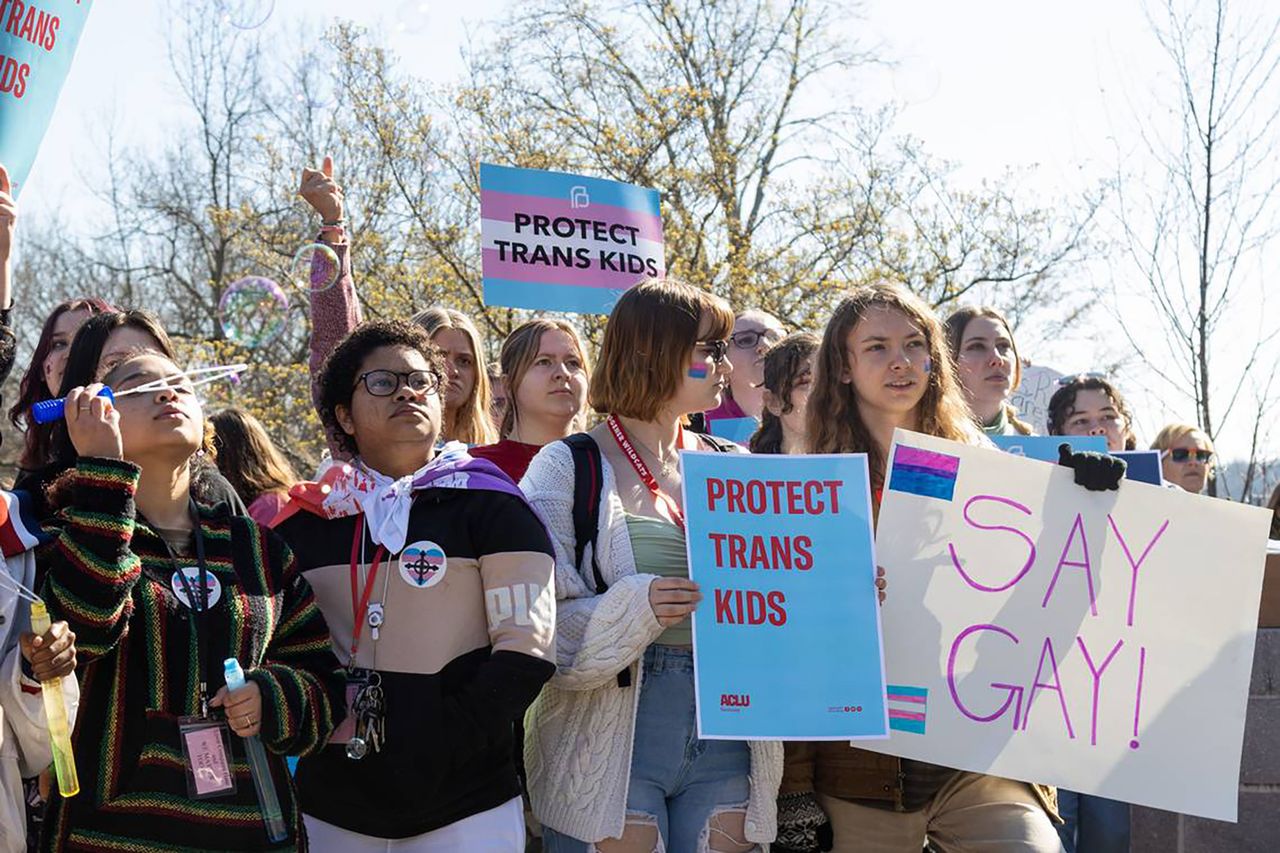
(658, 547)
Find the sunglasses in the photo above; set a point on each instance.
(1182, 454)
(384, 383)
(750, 338)
(718, 350)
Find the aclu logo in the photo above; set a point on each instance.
(734, 701)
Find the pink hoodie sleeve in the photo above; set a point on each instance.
(335, 311)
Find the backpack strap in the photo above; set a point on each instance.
(588, 486)
(588, 483)
(718, 444)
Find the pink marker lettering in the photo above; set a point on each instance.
(1096, 672)
(1046, 651)
(1031, 546)
(1134, 566)
(1015, 692)
(1075, 564)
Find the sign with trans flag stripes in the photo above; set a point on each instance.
(1035, 630)
(560, 242)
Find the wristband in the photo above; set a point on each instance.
(336, 223)
(333, 234)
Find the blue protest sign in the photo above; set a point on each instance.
(1144, 465)
(1045, 447)
(738, 430)
(37, 43)
(786, 641)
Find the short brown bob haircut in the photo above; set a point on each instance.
(648, 343)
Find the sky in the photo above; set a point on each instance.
(988, 84)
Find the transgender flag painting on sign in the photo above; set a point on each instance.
(559, 242)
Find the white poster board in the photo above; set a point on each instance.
(1031, 397)
(1099, 641)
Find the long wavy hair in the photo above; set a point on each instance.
(955, 326)
(470, 421)
(783, 364)
(32, 388)
(835, 423)
(247, 457)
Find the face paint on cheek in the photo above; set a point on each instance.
(928, 365)
(697, 371)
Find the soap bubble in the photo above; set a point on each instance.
(253, 311)
(315, 268)
(411, 17)
(246, 14)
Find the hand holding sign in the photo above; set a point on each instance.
(673, 599)
(8, 215)
(321, 191)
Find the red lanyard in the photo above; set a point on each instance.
(360, 607)
(667, 508)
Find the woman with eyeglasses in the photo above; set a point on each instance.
(612, 752)
(435, 577)
(987, 367)
(1088, 404)
(742, 404)
(1186, 456)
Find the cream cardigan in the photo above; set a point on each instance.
(579, 731)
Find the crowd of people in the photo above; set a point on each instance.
(472, 628)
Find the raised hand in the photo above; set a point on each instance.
(321, 191)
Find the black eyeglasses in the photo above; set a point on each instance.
(1182, 454)
(750, 338)
(719, 350)
(1077, 377)
(384, 383)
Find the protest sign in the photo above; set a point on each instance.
(562, 242)
(786, 641)
(737, 430)
(1142, 465)
(1045, 447)
(1100, 641)
(1031, 397)
(37, 43)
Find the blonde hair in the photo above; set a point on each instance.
(834, 423)
(470, 421)
(955, 326)
(519, 351)
(1176, 432)
(648, 343)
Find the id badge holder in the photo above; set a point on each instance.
(356, 680)
(206, 754)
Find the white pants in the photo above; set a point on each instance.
(499, 830)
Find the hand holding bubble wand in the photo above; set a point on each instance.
(52, 410)
(55, 706)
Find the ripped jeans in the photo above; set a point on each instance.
(692, 792)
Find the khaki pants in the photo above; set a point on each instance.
(972, 812)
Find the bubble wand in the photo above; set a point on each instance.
(47, 411)
(55, 706)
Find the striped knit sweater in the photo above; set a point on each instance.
(109, 574)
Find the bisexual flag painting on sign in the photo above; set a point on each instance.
(560, 242)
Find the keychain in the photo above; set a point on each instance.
(369, 710)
